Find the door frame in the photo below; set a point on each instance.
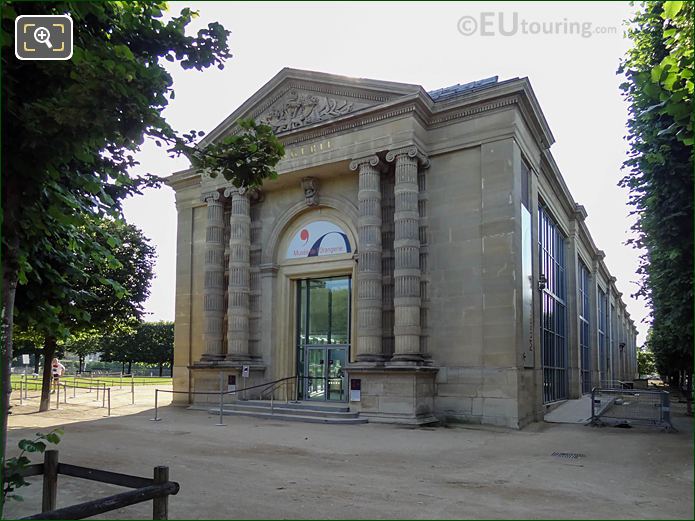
(346, 348)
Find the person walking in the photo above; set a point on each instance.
(57, 370)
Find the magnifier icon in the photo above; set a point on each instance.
(42, 35)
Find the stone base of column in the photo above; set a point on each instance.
(409, 359)
(212, 358)
(208, 377)
(403, 395)
(372, 358)
(241, 357)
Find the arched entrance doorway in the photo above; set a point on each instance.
(315, 303)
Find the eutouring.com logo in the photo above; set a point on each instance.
(511, 24)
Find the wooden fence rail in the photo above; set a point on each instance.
(158, 489)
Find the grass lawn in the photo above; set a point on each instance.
(110, 381)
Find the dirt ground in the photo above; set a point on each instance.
(254, 468)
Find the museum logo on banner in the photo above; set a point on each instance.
(318, 239)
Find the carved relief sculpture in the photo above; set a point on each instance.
(300, 110)
(310, 185)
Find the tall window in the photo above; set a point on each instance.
(602, 323)
(584, 329)
(551, 252)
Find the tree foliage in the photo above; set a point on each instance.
(147, 342)
(97, 292)
(71, 130)
(645, 362)
(659, 172)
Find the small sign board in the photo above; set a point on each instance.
(355, 389)
(231, 382)
(25, 359)
(245, 371)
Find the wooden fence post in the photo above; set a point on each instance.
(160, 505)
(50, 480)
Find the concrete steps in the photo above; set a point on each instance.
(307, 412)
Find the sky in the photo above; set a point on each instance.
(569, 51)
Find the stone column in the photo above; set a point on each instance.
(239, 276)
(213, 287)
(406, 247)
(369, 276)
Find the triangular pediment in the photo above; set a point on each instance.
(295, 99)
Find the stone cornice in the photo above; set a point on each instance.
(183, 179)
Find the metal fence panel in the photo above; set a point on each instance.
(630, 406)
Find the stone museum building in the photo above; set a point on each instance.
(419, 257)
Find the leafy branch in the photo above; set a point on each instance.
(12, 476)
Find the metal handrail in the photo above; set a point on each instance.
(282, 381)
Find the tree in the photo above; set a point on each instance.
(104, 292)
(71, 129)
(156, 340)
(645, 362)
(82, 345)
(147, 342)
(659, 174)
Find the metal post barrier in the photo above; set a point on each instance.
(593, 404)
(132, 390)
(665, 408)
(97, 398)
(21, 390)
(156, 409)
(65, 393)
(120, 381)
(74, 386)
(103, 396)
(26, 387)
(221, 424)
(109, 413)
(58, 397)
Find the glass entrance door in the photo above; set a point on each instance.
(323, 337)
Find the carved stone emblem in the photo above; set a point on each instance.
(310, 185)
(300, 109)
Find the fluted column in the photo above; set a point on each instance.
(369, 277)
(213, 286)
(239, 275)
(406, 248)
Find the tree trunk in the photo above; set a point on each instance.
(161, 369)
(130, 367)
(81, 367)
(123, 367)
(9, 289)
(49, 349)
(689, 393)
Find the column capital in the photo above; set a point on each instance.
(231, 191)
(372, 160)
(411, 151)
(210, 195)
